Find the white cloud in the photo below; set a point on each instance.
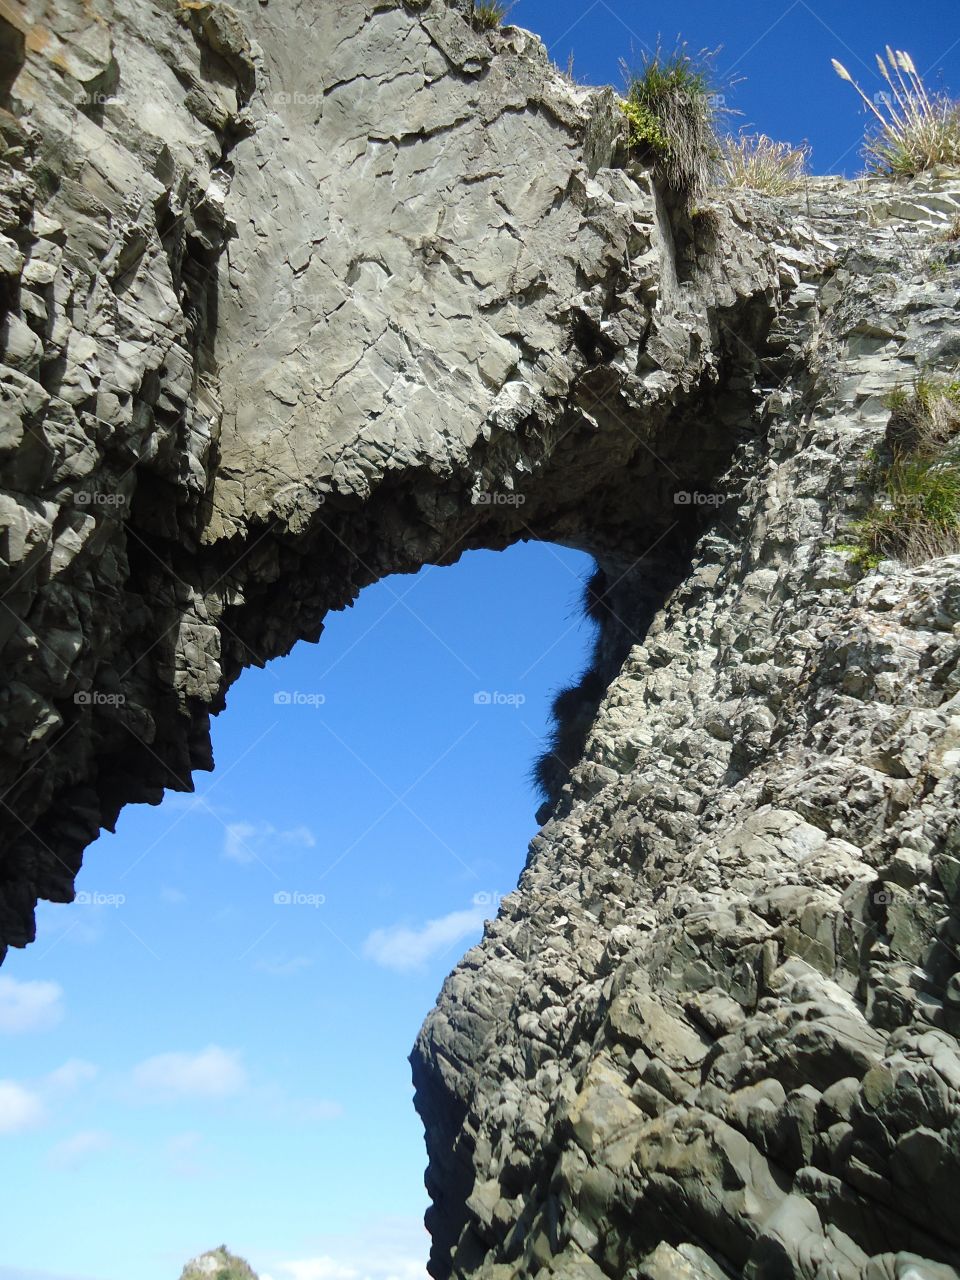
(388, 1249)
(72, 1152)
(211, 1073)
(321, 1269)
(69, 922)
(29, 1006)
(24, 1107)
(404, 949)
(238, 840)
(173, 897)
(252, 841)
(20, 1108)
(73, 1073)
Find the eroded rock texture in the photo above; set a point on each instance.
(714, 1031)
(299, 295)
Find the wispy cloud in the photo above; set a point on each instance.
(25, 1106)
(29, 1006)
(278, 968)
(210, 1073)
(69, 922)
(322, 1109)
(405, 949)
(76, 1150)
(389, 1249)
(73, 1073)
(20, 1108)
(253, 841)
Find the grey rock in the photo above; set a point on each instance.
(309, 303)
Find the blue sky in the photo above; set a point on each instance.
(780, 52)
(211, 1043)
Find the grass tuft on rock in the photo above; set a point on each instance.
(916, 129)
(916, 516)
(488, 15)
(672, 113)
(762, 164)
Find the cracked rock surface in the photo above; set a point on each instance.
(713, 1032)
(296, 295)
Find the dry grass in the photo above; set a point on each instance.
(915, 129)
(917, 515)
(489, 16)
(760, 163)
(672, 114)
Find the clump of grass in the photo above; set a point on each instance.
(488, 15)
(917, 515)
(756, 161)
(916, 129)
(672, 113)
(952, 233)
(925, 419)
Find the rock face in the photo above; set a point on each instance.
(218, 1264)
(299, 295)
(714, 1030)
(266, 344)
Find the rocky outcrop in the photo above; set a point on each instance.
(266, 344)
(714, 1030)
(296, 296)
(218, 1264)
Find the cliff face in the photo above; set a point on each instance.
(285, 317)
(301, 295)
(713, 1032)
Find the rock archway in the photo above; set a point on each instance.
(307, 310)
(300, 295)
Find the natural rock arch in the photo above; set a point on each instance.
(267, 339)
(300, 336)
